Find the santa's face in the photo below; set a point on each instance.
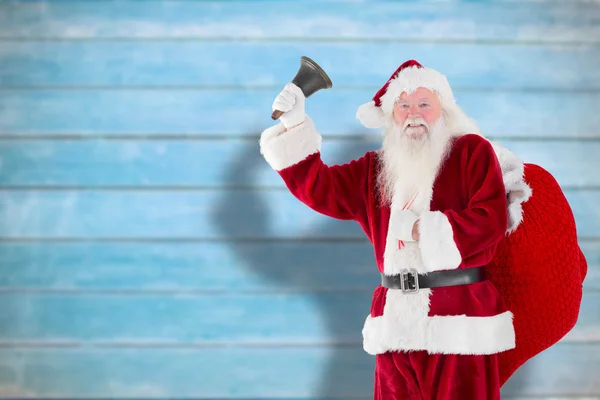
(417, 112)
(410, 155)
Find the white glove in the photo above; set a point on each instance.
(401, 224)
(291, 102)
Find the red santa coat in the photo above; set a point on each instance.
(463, 216)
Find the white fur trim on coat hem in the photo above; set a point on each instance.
(436, 243)
(284, 149)
(454, 334)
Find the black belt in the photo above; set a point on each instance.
(409, 281)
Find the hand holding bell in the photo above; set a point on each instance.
(310, 78)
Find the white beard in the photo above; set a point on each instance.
(410, 165)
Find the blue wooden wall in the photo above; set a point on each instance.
(146, 248)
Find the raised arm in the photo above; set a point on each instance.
(293, 149)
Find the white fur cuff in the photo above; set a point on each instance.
(401, 224)
(284, 149)
(437, 245)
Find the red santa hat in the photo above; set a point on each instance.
(407, 78)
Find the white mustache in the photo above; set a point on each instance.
(415, 121)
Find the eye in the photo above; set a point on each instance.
(423, 105)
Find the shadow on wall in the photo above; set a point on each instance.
(278, 264)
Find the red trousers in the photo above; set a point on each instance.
(423, 376)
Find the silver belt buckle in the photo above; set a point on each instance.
(405, 286)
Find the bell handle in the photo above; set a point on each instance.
(276, 114)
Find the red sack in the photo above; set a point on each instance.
(539, 270)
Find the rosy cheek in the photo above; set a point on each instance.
(400, 116)
(429, 116)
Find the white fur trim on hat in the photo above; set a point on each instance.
(407, 80)
(412, 78)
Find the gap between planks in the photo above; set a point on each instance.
(257, 88)
(182, 240)
(211, 136)
(90, 345)
(194, 188)
(309, 39)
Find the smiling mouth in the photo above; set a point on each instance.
(414, 130)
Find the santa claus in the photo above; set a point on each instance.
(435, 201)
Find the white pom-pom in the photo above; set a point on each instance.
(370, 116)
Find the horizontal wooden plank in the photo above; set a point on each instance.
(184, 63)
(10, 391)
(547, 398)
(181, 267)
(518, 21)
(591, 250)
(268, 319)
(241, 112)
(207, 318)
(569, 371)
(587, 328)
(233, 162)
(290, 373)
(212, 214)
